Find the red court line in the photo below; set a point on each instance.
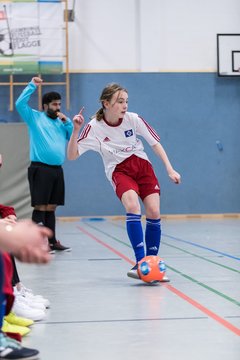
(203, 309)
(177, 292)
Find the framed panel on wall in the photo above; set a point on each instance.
(228, 54)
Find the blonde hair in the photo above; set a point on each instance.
(106, 95)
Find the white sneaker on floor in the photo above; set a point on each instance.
(31, 302)
(23, 310)
(133, 272)
(28, 293)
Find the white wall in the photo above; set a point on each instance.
(149, 35)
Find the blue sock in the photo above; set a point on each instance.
(153, 236)
(135, 234)
(2, 309)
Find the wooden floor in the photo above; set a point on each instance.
(97, 312)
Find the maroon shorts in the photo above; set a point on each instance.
(135, 174)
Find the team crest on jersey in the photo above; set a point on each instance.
(128, 133)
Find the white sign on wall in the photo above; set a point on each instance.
(31, 37)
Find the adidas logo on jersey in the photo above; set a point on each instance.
(106, 139)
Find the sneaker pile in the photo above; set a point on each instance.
(16, 329)
(13, 319)
(13, 324)
(28, 293)
(57, 246)
(12, 349)
(28, 305)
(24, 309)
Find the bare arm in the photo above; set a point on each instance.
(72, 150)
(160, 152)
(26, 241)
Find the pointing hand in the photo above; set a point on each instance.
(78, 119)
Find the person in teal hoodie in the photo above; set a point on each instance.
(49, 130)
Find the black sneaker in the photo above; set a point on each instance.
(57, 246)
(133, 273)
(12, 349)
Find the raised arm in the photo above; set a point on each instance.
(174, 175)
(72, 150)
(22, 102)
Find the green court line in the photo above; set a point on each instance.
(111, 236)
(226, 297)
(201, 257)
(216, 292)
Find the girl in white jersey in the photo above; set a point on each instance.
(113, 133)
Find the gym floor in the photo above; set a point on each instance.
(98, 312)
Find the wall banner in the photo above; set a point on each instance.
(31, 37)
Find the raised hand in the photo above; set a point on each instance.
(37, 80)
(78, 120)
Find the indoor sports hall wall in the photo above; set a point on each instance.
(198, 118)
(164, 52)
(149, 35)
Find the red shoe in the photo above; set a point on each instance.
(15, 336)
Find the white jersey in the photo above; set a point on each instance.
(115, 143)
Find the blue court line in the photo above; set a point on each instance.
(195, 244)
(201, 246)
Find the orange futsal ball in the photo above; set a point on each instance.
(151, 268)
